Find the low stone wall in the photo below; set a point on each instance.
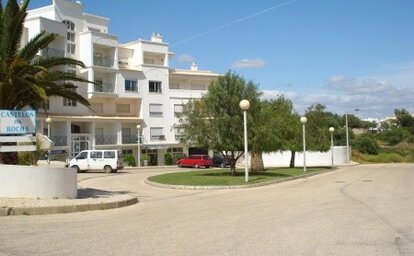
(18, 181)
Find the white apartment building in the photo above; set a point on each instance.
(138, 87)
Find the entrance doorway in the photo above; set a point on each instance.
(79, 143)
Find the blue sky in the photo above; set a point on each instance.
(345, 54)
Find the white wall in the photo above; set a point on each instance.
(282, 159)
(37, 182)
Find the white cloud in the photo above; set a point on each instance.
(248, 63)
(273, 94)
(185, 58)
(358, 85)
(375, 97)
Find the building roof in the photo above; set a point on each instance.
(187, 72)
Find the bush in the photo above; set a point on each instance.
(25, 158)
(177, 156)
(366, 144)
(129, 160)
(168, 159)
(394, 136)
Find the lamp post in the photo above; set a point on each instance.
(303, 120)
(331, 129)
(48, 121)
(347, 138)
(245, 105)
(139, 145)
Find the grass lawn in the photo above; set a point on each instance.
(222, 177)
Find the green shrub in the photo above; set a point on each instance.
(168, 159)
(145, 157)
(177, 156)
(25, 158)
(394, 136)
(129, 160)
(366, 144)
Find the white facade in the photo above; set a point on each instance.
(138, 86)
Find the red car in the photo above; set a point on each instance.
(195, 161)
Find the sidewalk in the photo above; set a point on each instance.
(88, 200)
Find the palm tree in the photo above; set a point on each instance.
(27, 79)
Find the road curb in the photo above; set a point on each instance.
(7, 211)
(260, 184)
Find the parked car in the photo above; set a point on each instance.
(88, 160)
(219, 161)
(195, 161)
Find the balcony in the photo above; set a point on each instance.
(51, 52)
(157, 137)
(106, 139)
(129, 139)
(104, 88)
(178, 137)
(103, 62)
(186, 93)
(59, 140)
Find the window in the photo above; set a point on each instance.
(122, 108)
(175, 150)
(70, 25)
(68, 102)
(127, 152)
(71, 48)
(156, 133)
(155, 110)
(178, 109)
(178, 131)
(71, 36)
(96, 154)
(131, 85)
(109, 154)
(82, 155)
(155, 87)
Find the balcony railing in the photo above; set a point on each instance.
(105, 139)
(103, 62)
(157, 137)
(51, 52)
(106, 88)
(129, 139)
(59, 140)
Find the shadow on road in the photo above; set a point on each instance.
(96, 193)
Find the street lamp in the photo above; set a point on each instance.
(48, 121)
(331, 129)
(139, 144)
(303, 120)
(347, 138)
(245, 105)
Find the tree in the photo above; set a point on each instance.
(216, 121)
(272, 129)
(317, 127)
(27, 79)
(405, 119)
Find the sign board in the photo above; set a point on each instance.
(17, 121)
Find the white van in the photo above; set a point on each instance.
(88, 160)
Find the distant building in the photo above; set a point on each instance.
(136, 86)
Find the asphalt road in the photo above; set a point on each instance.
(362, 210)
